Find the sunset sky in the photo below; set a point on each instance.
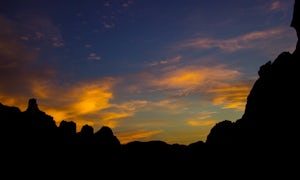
(148, 69)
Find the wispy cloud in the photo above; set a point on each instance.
(230, 95)
(216, 84)
(41, 30)
(278, 5)
(195, 122)
(275, 5)
(191, 77)
(249, 40)
(108, 25)
(121, 110)
(203, 119)
(88, 46)
(169, 61)
(94, 57)
(112, 11)
(172, 105)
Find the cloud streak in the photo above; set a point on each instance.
(169, 61)
(250, 40)
(230, 96)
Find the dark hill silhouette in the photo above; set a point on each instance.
(270, 113)
(262, 143)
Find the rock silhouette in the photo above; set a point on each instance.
(262, 143)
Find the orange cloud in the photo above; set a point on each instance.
(171, 104)
(203, 119)
(79, 100)
(231, 96)
(191, 77)
(175, 84)
(89, 103)
(91, 97)
(201, 123)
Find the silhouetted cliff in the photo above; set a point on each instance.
(271, 109)
(267, 134)
(270, 117)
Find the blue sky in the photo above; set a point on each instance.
(150, 70)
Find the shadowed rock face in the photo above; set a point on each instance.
(270, 117)
(270, 109)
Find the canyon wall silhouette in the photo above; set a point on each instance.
(264, 141)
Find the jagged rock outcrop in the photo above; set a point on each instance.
(39, 128)
(106, 141)
(33, 129)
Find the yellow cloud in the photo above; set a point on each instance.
(107, 117)
(191, 76)
(91, 98)
(91, 103)
(201, 122)
(171, 103)
(203, 119)
(76, 102)
(218, 85)
(231, 96)
(131, 106)
(180, 79)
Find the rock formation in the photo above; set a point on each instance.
(271, 110)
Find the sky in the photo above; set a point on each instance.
(150, 70)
